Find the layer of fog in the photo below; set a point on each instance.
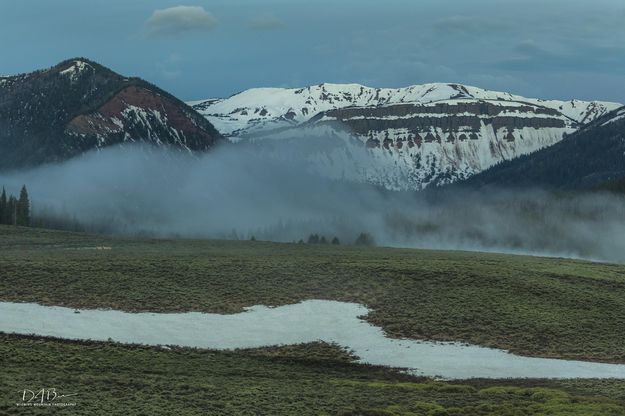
(245, 190)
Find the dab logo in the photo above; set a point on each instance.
(45, 397)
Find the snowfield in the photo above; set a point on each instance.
(266, 108)
(76, 70)
(308, 321)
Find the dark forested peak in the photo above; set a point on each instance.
(77, 105)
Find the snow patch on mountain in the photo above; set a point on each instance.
(618, 116)
(76, 69)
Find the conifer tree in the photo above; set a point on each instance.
(11, 215)
(23, 209)
(365, 239)
(3, 207)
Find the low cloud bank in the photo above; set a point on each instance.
(239, 191)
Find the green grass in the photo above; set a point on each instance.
(313, 379)
(532, 306)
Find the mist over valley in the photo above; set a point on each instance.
(243, 191)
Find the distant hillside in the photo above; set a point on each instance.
(78, 105)
(591, 158)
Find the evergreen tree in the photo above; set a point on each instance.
(323, 240)
(22, 210)
(365, 239)
(3, 207)
(11, 215)
(336, 241)
(313, 239)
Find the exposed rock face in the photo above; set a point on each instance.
(78, 105)
(446, 118)
(137, 113)
(423, 135)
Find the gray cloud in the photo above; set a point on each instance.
(179, 19)
(461, 24)
(266, 22)
(534, 56)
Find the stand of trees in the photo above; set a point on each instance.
(316, 239)
(364, 239)
(15, 211)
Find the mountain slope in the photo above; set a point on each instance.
(417, 136)
(78, 105)
(587, 159)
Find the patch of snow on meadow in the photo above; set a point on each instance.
(304, 322)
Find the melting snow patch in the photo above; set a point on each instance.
(74, 71)
(308, 321)
(619, 116)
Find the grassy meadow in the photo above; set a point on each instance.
(314, 379)
(532, 306)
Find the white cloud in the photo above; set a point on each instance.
(179, 19)
(266, 22)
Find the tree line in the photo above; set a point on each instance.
(15, 210)
(364, 239)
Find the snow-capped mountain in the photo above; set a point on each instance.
(268, 108)
(417, 136)
(78, 105)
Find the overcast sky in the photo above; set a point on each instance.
(198, 49)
